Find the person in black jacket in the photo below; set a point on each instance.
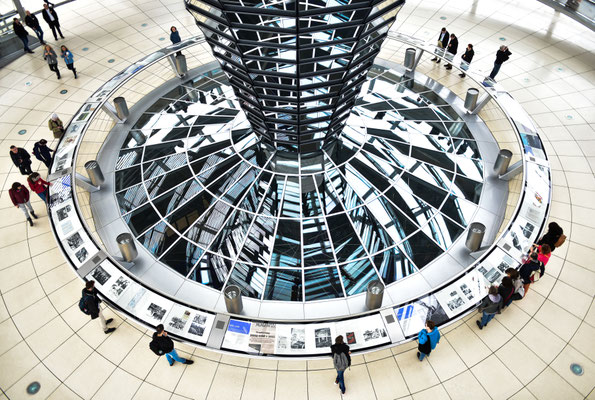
(43, 153)
(22, 33)
(92, 301)
(467, 57)
(21, 159)
(32, 22)
(340, 348)
(506, 290)
(162, 344)
(51, 17)
(552, 236)
(527, 269)
(452, 48)
(442, 43)
(501, 55)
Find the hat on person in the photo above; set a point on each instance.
(54, 116)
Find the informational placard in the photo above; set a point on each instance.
(412, 317)
(462, 294)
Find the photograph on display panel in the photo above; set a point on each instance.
(262, 337)
(198, 325)
(118, 287)
(100, 275)
(237, 336)
(322, 337)
(413, 317)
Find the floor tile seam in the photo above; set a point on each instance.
(36, 277)
(212, 380)
(372, 382)
(570, 284)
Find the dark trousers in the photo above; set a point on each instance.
(39, 34)
(25, 40)
(71, 67)
(495, 70)
(54, 67)
(25, 168)
(55, 26)
(48, 163)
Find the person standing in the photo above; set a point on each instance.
(162, 344)
(52, 59)
(51, 17)
(89, 304)
(174, 36)
(341, 361)
(501, 55)
(428, 339)
(467, 57)
(21, 159)
(490, 306)
(531, 271)
(56, 126)
(19, 195)
(442, 43)
(519, 290)
(39, 186)
(452, 48)
(506, 290)
(68, 59)
(22, 34)
(43, 153)
(32, 22)
(554, 237)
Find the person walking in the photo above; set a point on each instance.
(490, 306)
(32, 22)
(442, 43)
(19, 195)
(531, 271)
(22, 34)
(503, 54)
(52, 59)
(428, 339)
(68, 59)
(43, 153)
(341, 361)
(451, 49)
(51, 17)
(162, 344)
(21, 159)
(506, 290)
(554, 237)
(90, 305)
(56, 126)
(39, 186)
(466, 59)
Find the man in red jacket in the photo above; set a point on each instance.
(19, 195)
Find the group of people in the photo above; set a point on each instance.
(449, 43)
(51, 18)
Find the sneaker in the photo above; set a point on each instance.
(171, 363)
(434, 59)
(462, 75)
(189, 362)
(30, 221)
(33, 213)
(438, 62)
(479, 325)
(109, 330)
(30, 52)
(109, 321)
(336, 382)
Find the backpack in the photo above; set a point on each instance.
(83, 305)
(535, 275)
(155, 348)
(340, 361)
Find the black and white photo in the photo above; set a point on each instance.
(119, 286)
(372, 334)
(81, 255)
(63, 212)
(322, 337)
(298, 338)
(197, 327)
(75, 241)
(156, 311)
(100, 275)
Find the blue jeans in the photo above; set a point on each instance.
(173, 356)
(43, 196)
(341, 380)
(495, 70)
(39, 34)
(25, 40)
(422, 356)
(485, 318)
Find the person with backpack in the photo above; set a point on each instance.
(506, 290)
(531, 271)
(519, 290)
(43, 153)
(490, 306)
(89, 305)
(428, 339)
(554, 237)
(341, 361)
(162, 344)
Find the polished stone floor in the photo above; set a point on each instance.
(525, 353)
